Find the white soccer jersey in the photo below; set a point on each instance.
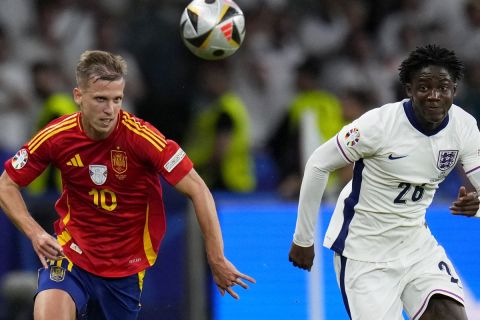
(380, 215)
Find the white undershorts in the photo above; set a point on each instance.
(381, 290)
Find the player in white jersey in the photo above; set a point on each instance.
(386, 258)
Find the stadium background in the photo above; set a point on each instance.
(358, 43)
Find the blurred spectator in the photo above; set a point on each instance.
(468, 97)
(15, 98)
(16, 17)
(467, 32)
(356, 102)
(323, 27)
(264, 68)
(218, 142)
(360, 43)
(426, 17)
(314, 116)
(38, 41)
(60, 31)
(108, 37)
(359, 67)
(357, 13)
(53, 101)
(167, 66)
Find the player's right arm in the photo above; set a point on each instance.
(14, 206)
(324, 159)
(224, 273)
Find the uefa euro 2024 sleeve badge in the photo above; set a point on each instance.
(20, 159)
(352, 137)
(98, 173)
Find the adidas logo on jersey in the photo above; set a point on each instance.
(75, 161)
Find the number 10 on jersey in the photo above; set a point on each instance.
(100, 199)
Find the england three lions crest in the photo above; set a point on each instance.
(119, 161)
(98, 173)
(446, 159)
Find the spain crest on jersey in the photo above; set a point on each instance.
(98, 173)
(57, 274)
(119, 161)
(446, 159)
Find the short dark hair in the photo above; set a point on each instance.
(99, 65)
(429, 55)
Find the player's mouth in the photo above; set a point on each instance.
(106, 122)
(435, 109)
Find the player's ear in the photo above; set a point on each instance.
(408, 90)
(77, 95)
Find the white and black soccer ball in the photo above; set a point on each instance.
(212, 29)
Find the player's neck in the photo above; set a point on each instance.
(95, 133)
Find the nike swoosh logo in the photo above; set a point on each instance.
(391, 157)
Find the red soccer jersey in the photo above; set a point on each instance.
(111, 212)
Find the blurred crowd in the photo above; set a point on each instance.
(306, 68)
(249, 122)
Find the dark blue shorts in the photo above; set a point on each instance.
(95, 297)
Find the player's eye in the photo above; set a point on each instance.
(422, 88)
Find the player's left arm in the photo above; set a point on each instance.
(225, 274)
(468, 203)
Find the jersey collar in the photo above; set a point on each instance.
(408, 107)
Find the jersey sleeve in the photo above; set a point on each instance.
(26, 165)
(176, 164)
(324, 159)
(470, 153)
(360, 138)
(164, 155)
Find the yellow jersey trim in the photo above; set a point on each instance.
(64, 237)
(144, 131)
(50, 131)
(66, 219)
(147, 241)
(141, 276)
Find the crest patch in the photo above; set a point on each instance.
(119, 161)
(20, 159)
(98, 173)
(352, 137)
(446, 159)
(57, 274)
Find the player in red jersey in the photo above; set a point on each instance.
(111, 212)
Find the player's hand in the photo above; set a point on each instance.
(225, 275)
(46, 247)
(466, 204)
(302, 257)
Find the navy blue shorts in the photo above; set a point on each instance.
(95, 297)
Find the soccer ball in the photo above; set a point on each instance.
(212, 29)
